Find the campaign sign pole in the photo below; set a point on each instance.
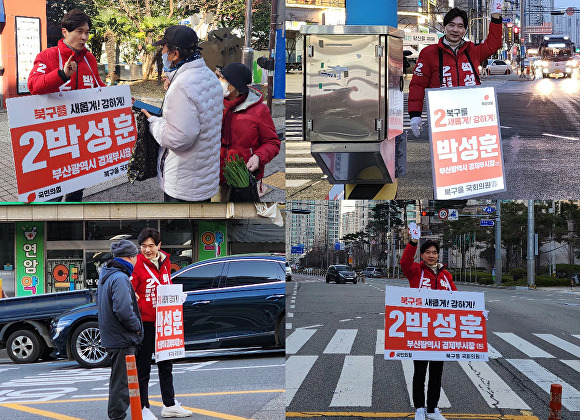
(169, 338)
(466, 151)
(427, 324)
(63, 142)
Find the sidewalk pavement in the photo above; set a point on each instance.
(121, 190)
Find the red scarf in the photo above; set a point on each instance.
(229, 107)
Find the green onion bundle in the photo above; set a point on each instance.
(236, 172)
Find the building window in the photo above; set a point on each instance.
(64, 231)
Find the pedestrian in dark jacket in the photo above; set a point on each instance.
(452, 61)
(247, 126)
(68, 66)
(431, 274)
(119, 321)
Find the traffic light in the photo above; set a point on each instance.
(516, 35)
(427, 213)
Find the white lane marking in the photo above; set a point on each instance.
(345, 320)
(288, 325)
(297, 367)
(310, 326)
(306, 159)
(292, 306)
(492, 388)
(560, 137)
(524, 346)
(574, 364)
(295, 183)
(354, 388)
(304, 170)
(558, 342)
(408, 369)
(246, 367)
(290, 315)
(380, 346)
(492, 353)
(90, 396)
(297, 339)
(576, 335)
(341, 342)
(544, 378)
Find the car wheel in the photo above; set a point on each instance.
(86, 346)
(507, 71)
(24, 346)
(281, 331)
(354, 281)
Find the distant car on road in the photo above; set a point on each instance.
(373, 272)
(288, 272)
(232, 302)
(340, 274)
(498, 67)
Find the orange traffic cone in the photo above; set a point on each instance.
(133, 379)
(555, 402)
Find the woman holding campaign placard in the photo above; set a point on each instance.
(430, 274)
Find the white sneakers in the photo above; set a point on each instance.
(435, 416)
(175, 411)
(148, 414)
(419, 414)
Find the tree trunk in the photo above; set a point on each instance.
(111, 51)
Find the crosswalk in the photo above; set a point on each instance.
(356, 380)
(301, 168)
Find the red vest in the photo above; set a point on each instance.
(145, 279)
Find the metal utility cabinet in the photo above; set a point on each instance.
(353, 100)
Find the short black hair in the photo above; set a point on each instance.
(147, 233)
(426, 245)
(453, 13)
(75, 19)
(184, 53)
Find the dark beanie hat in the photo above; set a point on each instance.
(124, 248)
(238, 75)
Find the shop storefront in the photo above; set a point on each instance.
(54, 256)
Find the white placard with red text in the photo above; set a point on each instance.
(466, 151)
(427, 324)
(66, 141)
(169, 337)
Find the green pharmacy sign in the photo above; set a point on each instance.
(29, 258)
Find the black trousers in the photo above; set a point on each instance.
(165, 368)
(118, 383)
(434, 386)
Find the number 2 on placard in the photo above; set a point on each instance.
(28, 163)
(440, 114)
(393, 328)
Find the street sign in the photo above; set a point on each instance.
(488, 209)
(486, 223)
(453, 215)
(337, 246)
(506, 20)
(373, 242)
(297, 249)
(443, 213)
(570, 11)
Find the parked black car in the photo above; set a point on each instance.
(232, 302)
(340, 274)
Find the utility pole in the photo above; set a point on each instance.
(498, 263)
(522, 39)
(531, 262)
(247, 52)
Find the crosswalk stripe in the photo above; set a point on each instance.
(408, 369)
(305, 159)
(297, 152)
(574, 364)
(492, 388)
(306, 170)
(524, 346)
(295, 183)
(492, 353)
(544, 378)
(299, 366)
(354, 388)
(576, 335)
(341, 342)
(301, 144)
(297, 339)
(563, 344)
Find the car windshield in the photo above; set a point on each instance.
(343, 268)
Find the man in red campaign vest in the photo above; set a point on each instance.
(452, 61)
(68, 66)
(151, 270)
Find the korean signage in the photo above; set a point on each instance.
(66, 141)
(27, 48)
(29, 258)
(169, 337)
(65, 274)
(212, 240)
(466, 150)
(427, 324)
(420, 38)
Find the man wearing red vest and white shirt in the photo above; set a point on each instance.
(151, 270)
(453, 61)
(68, 66)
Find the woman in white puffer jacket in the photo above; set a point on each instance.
(189, 132)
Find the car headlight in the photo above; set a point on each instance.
(60, 325)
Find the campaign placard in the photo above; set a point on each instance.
(427, 324)
(66, 141)
(466, 151)
(169, 337)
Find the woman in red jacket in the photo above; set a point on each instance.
(451, 62)
(431, 274)
(151, 270)
(247, 126)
